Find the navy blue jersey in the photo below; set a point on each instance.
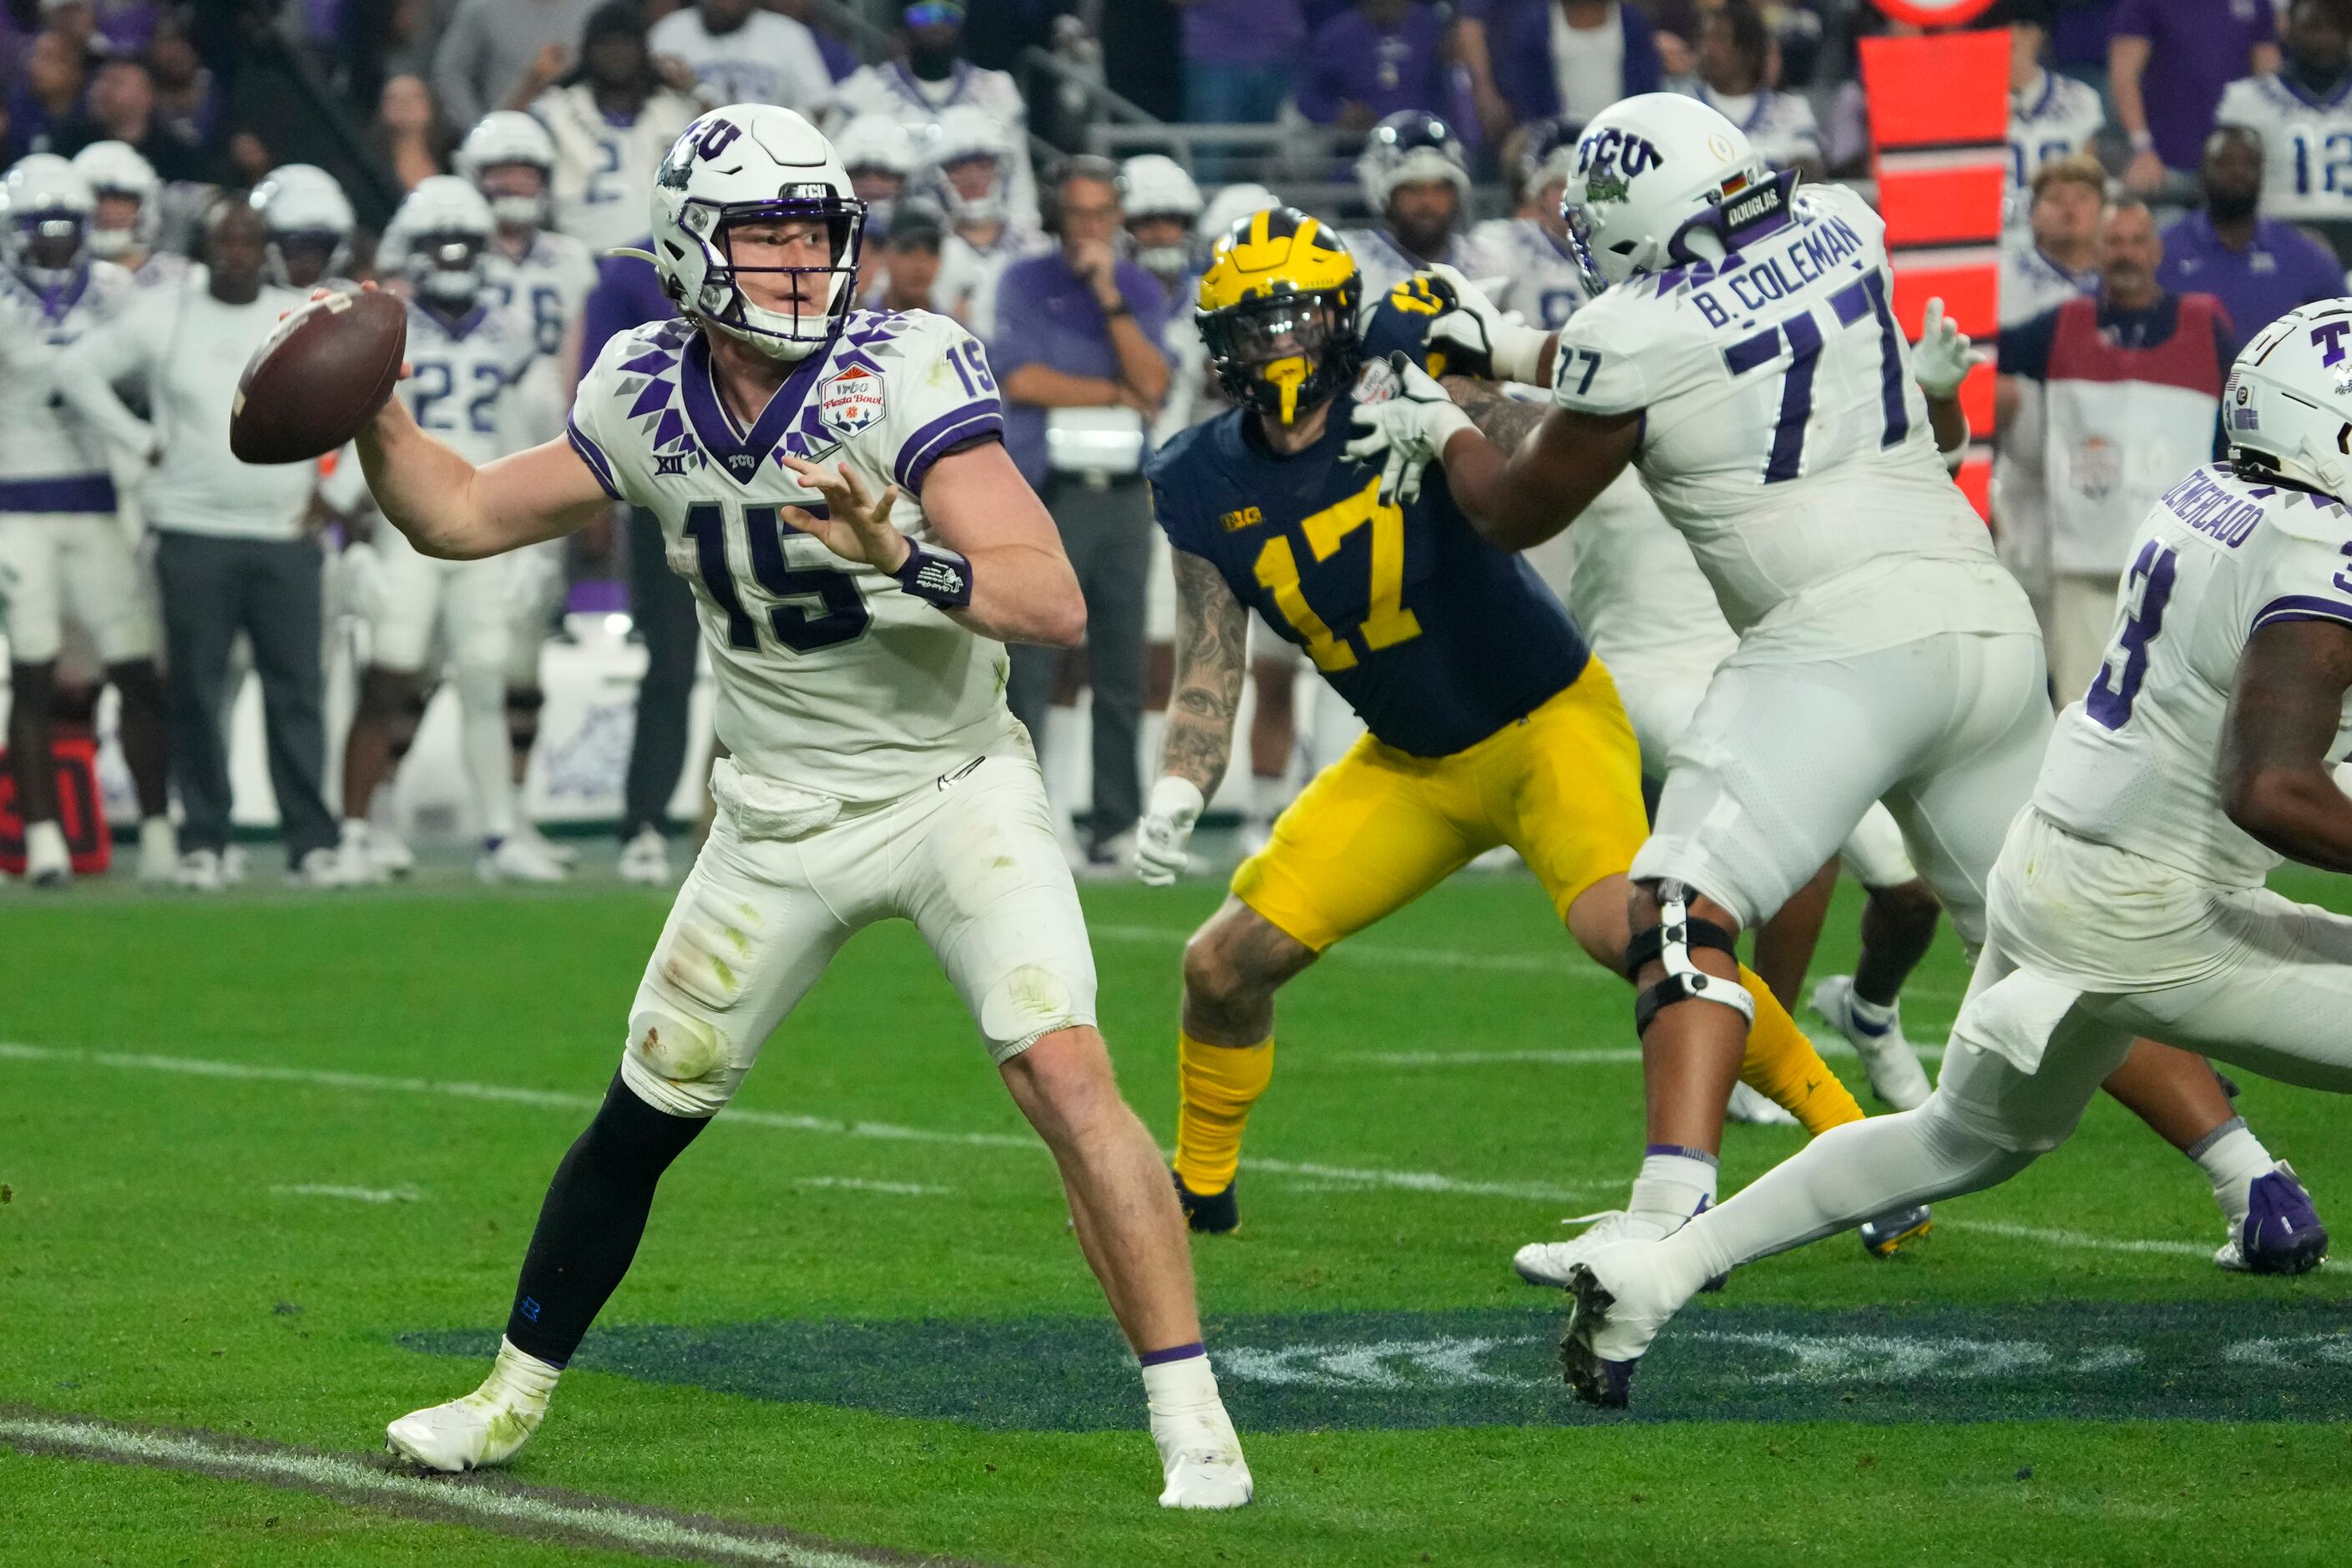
(1436, 638)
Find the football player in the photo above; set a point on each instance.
(1158, 206)
(61, 551)
(1742, 353)
(467, 352)
(1539, 277)
(2128, 898)
(2303, 113)
(1415, 183)
(1489, 722)
(2050, 116)
(882, 158)
(972, 173)
(855, 611)
(310, 225)
(130, 214)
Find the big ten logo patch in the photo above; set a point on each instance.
(1244, 517)
(850, 400)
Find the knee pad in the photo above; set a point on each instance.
(677, 1063)
(1670, 942)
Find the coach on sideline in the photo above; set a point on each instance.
(234, 552)
(1077, 353)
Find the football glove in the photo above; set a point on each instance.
(1406, 432)
(1943, 355)
(1165, 830)
(1484, 331)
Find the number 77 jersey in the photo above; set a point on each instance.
(1783, 435)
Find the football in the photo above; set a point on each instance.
(320, 377)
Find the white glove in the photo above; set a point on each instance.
(1510, 348)
(1943, 355)
(1410, 426)
(1166, 828)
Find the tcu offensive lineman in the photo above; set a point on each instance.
(874, 771)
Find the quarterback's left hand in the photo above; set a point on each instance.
(860, 527)
(1943, 355)
(1411, 427)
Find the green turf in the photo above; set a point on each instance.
(149, 1273)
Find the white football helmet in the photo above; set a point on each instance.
(881, 155)
(1232, 205)
(303, 206)
(1407, 148)
(117, 169)
(1152, 184)
(505, 138)
(440, 240)
(966, 132)
(1548, 153)
(2288, 402)
(45, 207)
(753, 162)
(1662, 179)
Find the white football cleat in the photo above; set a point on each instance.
(199, 871)
(1621, 1299)
(563, 855)
(1751, 1108)
(468, 1434)
(318, 869)
(1895, 1075)
(518, 859)
(390, 854)
(645, 859)
(355, 858)
(1201, 1456)
(159, 852)
(47, 862)
(1552, 1262)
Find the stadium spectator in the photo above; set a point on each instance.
(2167, 62)
(121, 108)
(187, 96)
(45, 105)
(2131, 391)
(1734, 55)
(408, 136)
(2050, 116)
(491, 48)
(1471, 45)
(234, 549)
(2302, 113)
(77, 22)
(1569, 59)
(2259, 267)
(929, 77)
(740, 54)
(910, 260)
(1241, 58)
(1372, 61)
(1078, 354)
(613, 120)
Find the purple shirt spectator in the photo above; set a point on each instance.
(1047, 314)
(628, 293)
(127, 26)
(2078, 37)
(2196, 48)
(2282, 268)
(1243, 32)
(1383, 55)
(1518, 41)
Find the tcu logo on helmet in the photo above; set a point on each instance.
(1610, 158)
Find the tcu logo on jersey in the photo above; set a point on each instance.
(1611, 159)
(851, 400)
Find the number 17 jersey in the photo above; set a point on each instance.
(1783, 435)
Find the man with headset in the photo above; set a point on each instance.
(1076, 351)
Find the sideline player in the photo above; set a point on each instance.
(1490, 723)
(972, 173)
(874, 771)
(1539, 277)
(1413, 179)
(1742, 351)
(2128, 898)
(310, 223)
(129, 219)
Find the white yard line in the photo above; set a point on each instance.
(2075, 1239)
(357, 1195)
(860, 1185)
(504, 1507)
(1829, 1045)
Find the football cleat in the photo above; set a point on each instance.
(645, 859)
(1553, 1263)
(468, 1434)
(1895, 1075)
(1751, 1108)
(1617, 1304)
(1211, 1214)
(519, 859)
(321, 868)
(159, 852)
(2282, 1233)
(47, 862)
(1201, 1458)
(1884, 1235)
(199, 871)
(390, 854)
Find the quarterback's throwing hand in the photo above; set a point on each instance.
(858, 528)
(1406, 432)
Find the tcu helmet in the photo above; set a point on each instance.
(1152, 184)
(879, 151)
(302, 205)
(1547, 153)
(47, 206)
(966, 132)
(117, 169)
(1277, 311)
(754, 163)
(440, 239)
(1408, 148)
(1661, 179)
(507, 139)
(2287, 406)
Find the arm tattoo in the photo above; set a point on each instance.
(1211, 643)
(1505, 421)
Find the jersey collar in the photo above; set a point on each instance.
(738, 453)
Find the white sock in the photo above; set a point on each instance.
(1180, 1385)
(1869, 1017)
(2231, 1157)
(355, 830)
(1674, 1184)
(520, 1381)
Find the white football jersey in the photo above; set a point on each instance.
(769, 59)
(2032, 283)
(465, 371)
(1385, 264)
(831, 678)
(2049, 119)
(1783, 435)
(1779, 125)
(548, 284)
(1540, 280)
(2306, 144)
(2134, 765)
(892, 89)
(40, 438)
(605, 172)
(163, 269)
(965, 287)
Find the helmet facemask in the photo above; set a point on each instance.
(513, 208)
(806, 325)
(446, 267)
(1285, 351)
(48, 246)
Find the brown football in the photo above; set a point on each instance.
(322, 375)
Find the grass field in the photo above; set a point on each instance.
(270, 1162)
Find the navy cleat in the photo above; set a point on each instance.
(1210, 1213)
(1884, 1235)
(1593, 1377)
(2282, 1233)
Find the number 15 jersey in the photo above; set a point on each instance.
(830, 678)
(1783, 435)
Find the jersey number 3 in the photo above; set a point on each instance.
(839, 614)
(2151, 589)
(1386, 620)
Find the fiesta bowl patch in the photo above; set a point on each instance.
(851, 400)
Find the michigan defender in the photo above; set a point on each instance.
(2129, 897)
(1490, 722)
(854, 615)
(1743, 354)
